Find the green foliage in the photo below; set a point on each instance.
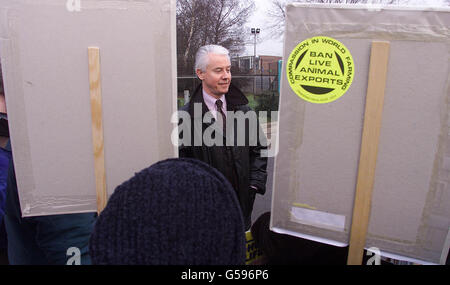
(180, 102)
(251, 100)
(267, 102)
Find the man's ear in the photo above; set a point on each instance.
(200, 74)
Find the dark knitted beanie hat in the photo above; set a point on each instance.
(178, 211)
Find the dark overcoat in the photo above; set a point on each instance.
(242, 163)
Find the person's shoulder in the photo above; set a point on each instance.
(8, 146)
(185, 107)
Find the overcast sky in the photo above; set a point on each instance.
(267, 46)
(258, 19)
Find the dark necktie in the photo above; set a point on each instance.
(224, 119)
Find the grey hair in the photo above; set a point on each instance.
(201, 58)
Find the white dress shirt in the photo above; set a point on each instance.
(210, 102)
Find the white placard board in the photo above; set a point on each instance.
(44, 55)
(317, 165)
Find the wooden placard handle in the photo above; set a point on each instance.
(95, 90)
(369, 150)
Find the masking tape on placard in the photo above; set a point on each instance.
(387, 32)
(308, 236)
(318, 218)
(18, 129)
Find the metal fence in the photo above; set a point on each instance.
(249, 84)
(261, 90)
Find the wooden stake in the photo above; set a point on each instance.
(369, 150)
(95, 90)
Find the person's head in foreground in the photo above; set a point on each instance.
(176, 212)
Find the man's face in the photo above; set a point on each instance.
(217, 77)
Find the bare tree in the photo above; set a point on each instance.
(188, 25)
(201, 22)
(277, 16)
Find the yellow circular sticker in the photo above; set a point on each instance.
(320, 70)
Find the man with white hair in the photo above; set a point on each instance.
(241, 163)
